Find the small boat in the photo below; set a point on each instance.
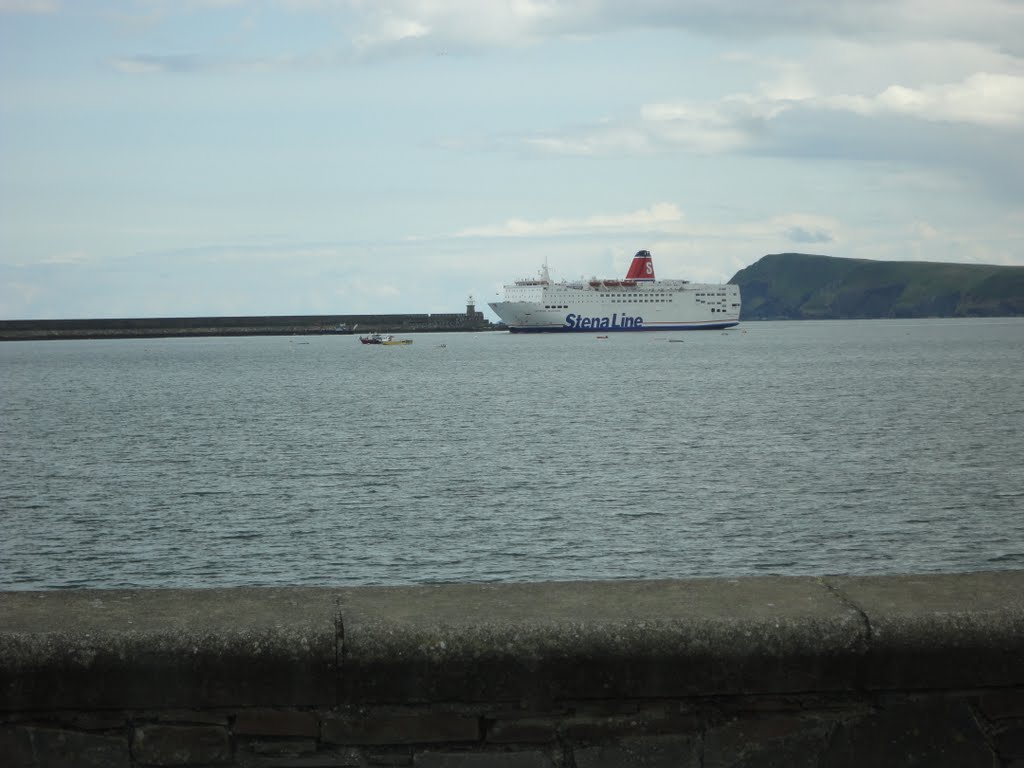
(376, 338)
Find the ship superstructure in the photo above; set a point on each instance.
(638, 302)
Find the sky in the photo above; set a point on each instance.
(235, 157)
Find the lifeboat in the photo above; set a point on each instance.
(628, 283)
(613, 283)
(595, 283)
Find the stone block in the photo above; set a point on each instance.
(604, 708)
(483, 760)
(761, 704)
(181, 745)
(605, 729)
(787, 741)
(933, 733)
(286, 746)
(649, 752)
(344, 758)
(24, 746)
(389, 757)
(190, 717)
(521, 731)
(416, 728)
(165, 649)
(999, 705)
(95, 721)
(1009, 741)
(276, 722)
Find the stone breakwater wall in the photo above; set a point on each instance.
(270, 325)
(921, 670)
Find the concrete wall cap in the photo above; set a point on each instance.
(167, 648)
(596, 639)
(535, 643)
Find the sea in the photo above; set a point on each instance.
(792, 448)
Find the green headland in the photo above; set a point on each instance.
(799, 286)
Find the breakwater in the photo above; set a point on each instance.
(833, 671)
(270, 325)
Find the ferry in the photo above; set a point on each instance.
(639, 302)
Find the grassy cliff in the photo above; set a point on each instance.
(799, 286)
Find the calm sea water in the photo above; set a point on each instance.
(775, 448)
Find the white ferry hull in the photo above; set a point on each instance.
(612, 306)
(521, 317)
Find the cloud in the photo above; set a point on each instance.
(658, 215)
(185, 64)
(477, 23)
(29, 6)
(392, 31)
(795, 228)
(801, 235)
(367, 288)
(65, 258)
(966, 127)
(727, 125)
(600, 139)
(730, 124)
(985, 99)
(739, 122)
(146, 65)
(464, 24)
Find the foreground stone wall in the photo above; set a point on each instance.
(838, 671)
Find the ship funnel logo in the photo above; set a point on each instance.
(642, 267)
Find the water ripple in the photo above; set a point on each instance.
(796, 448)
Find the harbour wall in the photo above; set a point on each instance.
(270, 325)
(921, 670)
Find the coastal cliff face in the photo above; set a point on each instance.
(797, 286)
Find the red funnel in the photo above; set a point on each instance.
(642, 267)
